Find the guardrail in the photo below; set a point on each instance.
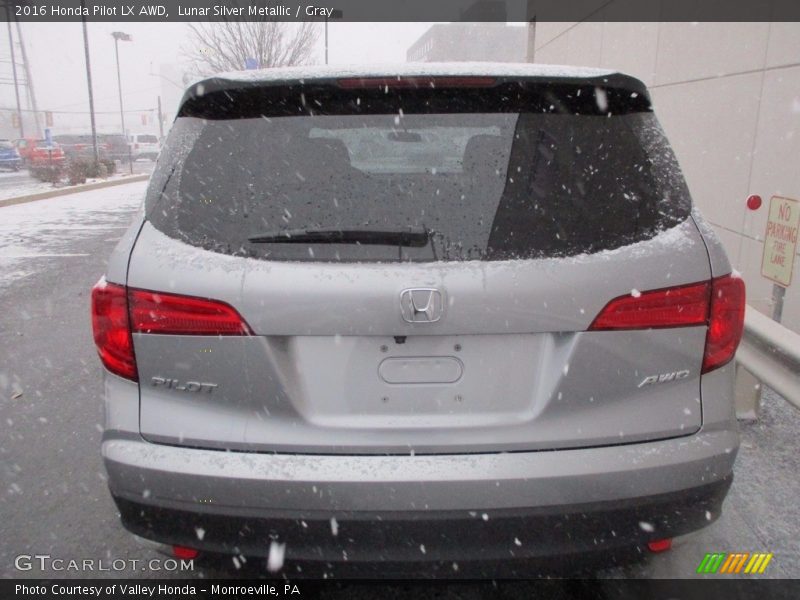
(769, 353)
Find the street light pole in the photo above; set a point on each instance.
(335, 14)
(119, 84)
(160, 121)
(14, 71)
(119, 35)
(89, 84)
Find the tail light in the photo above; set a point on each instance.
(725, 321)
(682, 306)
(718, 303)
(118, 312)
(171, 314)
(112, 332)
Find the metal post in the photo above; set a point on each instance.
(746, 395)
(121, 109)
(335, 14)
(119, 85)
(119, 35)
(160, 121)
(28, 79)
(14, 71)
(89, 84)
(530, 54)
(778, 292)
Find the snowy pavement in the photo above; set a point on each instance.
(760, 513)
(53, 495)
(18, 183)
(45, 231)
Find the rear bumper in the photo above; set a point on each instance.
(421, 508)
(441, 536)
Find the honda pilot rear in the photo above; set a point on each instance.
(447, 313)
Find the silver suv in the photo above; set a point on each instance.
(426, 313)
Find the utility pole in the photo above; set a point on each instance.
(29, 80)
(160, 121)
(89, 83)
(335, 14)
(14, 71)
(119, 35)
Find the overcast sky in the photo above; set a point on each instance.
(55, 53)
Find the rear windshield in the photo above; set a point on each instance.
(147, 139)
(515, 172)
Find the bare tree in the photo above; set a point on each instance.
(224, 46)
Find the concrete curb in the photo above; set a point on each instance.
(72, 190)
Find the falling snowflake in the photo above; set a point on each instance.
(277, 552)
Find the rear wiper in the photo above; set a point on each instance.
(414, 239)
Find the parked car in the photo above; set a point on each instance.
(318, 346)
(45, 160)
(81, 147)
(36, 152)
(144, 145)
(117, 144)
(9, 157)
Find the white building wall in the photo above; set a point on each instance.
(728, 96)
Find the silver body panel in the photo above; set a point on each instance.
(260, 483)
(531, 376)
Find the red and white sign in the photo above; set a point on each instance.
(780, 242)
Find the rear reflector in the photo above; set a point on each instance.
(182, 552)
(725, 322)
(659, 545)
(415, 82)
(112, 334)
(718, 304)
(681, 306)
(172, 314)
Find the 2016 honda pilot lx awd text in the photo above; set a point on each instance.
(421, 313)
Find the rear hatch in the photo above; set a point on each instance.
(418, 263)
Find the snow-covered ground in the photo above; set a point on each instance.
(44, 229)
(20, 183)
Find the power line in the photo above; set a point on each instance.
(106, 97)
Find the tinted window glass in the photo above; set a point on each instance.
(147, 139)
(468, 184)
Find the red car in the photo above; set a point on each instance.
(36, 152)
(45, 162)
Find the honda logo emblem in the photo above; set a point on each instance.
(421, 305)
